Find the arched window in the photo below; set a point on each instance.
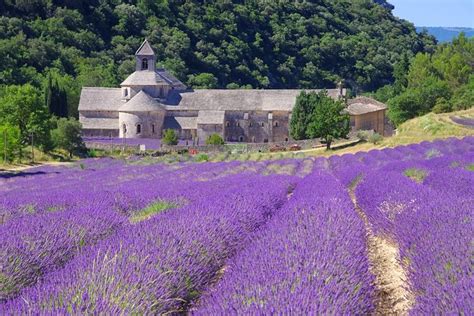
(153, 128)
(124, 128)
(275, 124)
(250, 124)
(238, 124)
(241, 139)
(125, 92)
(227, 124)
(286, 139)
(265, 140)
(144, 64)
(263, 124)
(139, 128)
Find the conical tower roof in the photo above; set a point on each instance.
(145, 49)
(141, 102)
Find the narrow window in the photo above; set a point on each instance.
(253, 139)
(139, 128)
(263, 124)
(238, 124)
(144, 64)
(153, 128)
(275, 124)
(241, 139)
(286, 139)
(124, 128)
(250, 124)
(125, 92)
(265, 140)
(227, 124)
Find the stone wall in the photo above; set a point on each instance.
(256, 126)
(206, 130)
(97, 132)
(141, 125)
(370, 121)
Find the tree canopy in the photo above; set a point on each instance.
(316, 115)
(211, 44)
(439, 82)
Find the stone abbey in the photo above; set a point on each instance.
(151, 100)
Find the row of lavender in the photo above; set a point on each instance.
(310, 260)
(432, 223)
(139, 185)
(159, 265)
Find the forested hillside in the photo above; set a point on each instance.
(258, 44)
(440, 82)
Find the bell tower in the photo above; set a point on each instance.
(145, 57)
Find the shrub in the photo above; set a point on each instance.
(67, 135)
(215, 139)
(202, 157)
(363, 135)
(9, 141)
(170, 137)
(375, 138)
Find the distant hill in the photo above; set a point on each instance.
(446, 34)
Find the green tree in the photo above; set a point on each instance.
(67, 135)
(203, 81)
(22, 107)
(328, 120)
(170, 137)
(215, 139)
(55, 98)
(301, 115)
(9, 141)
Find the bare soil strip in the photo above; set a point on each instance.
(393, 293)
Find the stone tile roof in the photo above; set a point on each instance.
(141, 102)
(364, 105)
(99, 123)
(237, 100)
(153, 78)
(144, 78)
(180, 122)
(211, 117)
(145, 49)
(170, 79)
(100, 99)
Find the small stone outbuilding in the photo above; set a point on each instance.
(367, 114)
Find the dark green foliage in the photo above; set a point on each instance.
(328, 120)
(215, 139)
(211, 44)
(55, 98)
(170, 137)
(316, 115)
(301, 115)
(67, 135)
(439, 82)
(203, 81)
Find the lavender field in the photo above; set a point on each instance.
(382, 232)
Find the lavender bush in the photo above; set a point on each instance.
(230, 237)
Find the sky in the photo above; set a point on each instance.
(436, 12)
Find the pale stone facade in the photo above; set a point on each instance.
(151, 100)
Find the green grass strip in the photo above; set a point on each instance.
(151, 210)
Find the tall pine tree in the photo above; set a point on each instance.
(55, 98)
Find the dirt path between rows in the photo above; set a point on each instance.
(391, 282)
